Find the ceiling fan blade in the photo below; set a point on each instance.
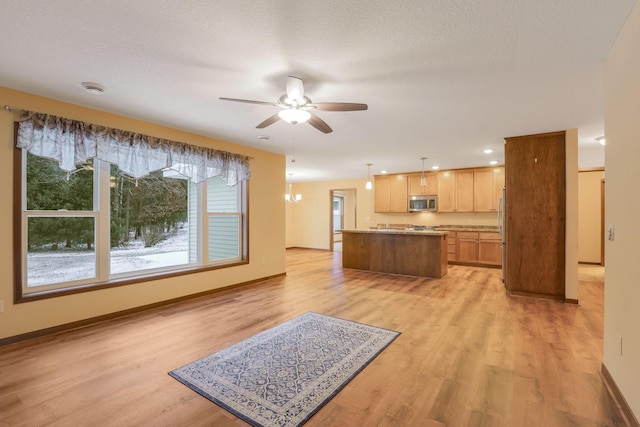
(319, 124)
(248, 101)
(295, 90)
(271, 120)
(338, 106)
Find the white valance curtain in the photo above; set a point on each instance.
(72, 142)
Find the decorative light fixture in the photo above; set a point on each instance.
(369, 185)
(600, 139)
(423, 180)
(294, 115)
(290, 197)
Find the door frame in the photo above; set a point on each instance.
(355, 210)
(602, 241)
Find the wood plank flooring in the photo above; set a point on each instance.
(468, 355)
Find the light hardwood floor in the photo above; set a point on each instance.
(468, 355)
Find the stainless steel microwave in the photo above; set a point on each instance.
(423, 203)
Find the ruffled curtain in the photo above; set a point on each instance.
(72, 142)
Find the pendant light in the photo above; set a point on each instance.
(369, 185)
(423, 179)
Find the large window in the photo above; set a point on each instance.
(97, 226)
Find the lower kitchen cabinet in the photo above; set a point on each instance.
(483, 248)
(467, 246)
(489, 248)
(451, 246)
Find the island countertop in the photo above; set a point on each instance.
(398, 231)
(410, 252)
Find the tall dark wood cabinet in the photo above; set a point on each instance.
(535, 215)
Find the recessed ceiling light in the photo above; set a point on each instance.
(487, 151)
(435, 167)
(263, 137)
(383, 172)
(600, 139)
(93, 88)
(493, 162)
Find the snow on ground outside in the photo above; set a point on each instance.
(55, 267)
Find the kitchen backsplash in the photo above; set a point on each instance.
(434, 218)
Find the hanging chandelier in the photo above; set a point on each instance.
(290, 197)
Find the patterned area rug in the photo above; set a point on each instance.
(284, 375)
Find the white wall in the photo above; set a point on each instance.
(622, 209)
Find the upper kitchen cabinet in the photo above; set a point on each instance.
(391, 193)
(455, 191)
(464, 190)
(430, 187)
(488, 184)
(447, 191)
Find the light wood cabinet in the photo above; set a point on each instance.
(489, 248)
(498, 185)
(488, 185)
(464, 190)
(467, 246)
(451, 246)
(479, 248)
(455, 191)
(390, 193)
(446, 191)
(382, 194)
(429, 189)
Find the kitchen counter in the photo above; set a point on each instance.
(409, 252)
(480, 228)
(410, 227)
(399, 231)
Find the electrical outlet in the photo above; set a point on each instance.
(611, 232)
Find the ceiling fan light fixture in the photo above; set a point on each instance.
(294, 116)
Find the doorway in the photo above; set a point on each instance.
(602, 223)
(342, 215)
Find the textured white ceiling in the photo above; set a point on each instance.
(443, 78)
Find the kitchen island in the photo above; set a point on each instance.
(408, 252)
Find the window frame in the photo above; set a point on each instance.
(19, 242)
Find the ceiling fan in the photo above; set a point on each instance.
(297, 108)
